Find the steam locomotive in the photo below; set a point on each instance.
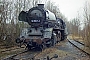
(45, 28)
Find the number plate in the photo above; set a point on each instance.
(35, 20)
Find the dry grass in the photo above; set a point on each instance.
(4, 54)
(86, 41)
(75, 37)
(51, 52)
(72, 37)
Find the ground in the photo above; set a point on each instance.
(65, 51)
(9, 53)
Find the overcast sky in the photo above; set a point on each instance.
(70, 7)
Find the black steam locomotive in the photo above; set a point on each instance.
(45, 28)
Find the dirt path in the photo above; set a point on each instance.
(65, 51)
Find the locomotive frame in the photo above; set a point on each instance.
(45, 31)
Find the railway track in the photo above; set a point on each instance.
(25, 55)
(12, 56)
(7, 50)
(30, 55)
(80, 46)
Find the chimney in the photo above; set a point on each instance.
(41, 5)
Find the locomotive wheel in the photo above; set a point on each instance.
(50, 44)
(28, 47)
(44, 46)
(53, 40)
(39, 48)
(62, 37)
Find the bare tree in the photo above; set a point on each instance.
(87, 23)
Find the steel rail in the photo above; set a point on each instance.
(10, 49)
(78, 47)
(12, 56)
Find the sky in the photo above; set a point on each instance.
(70, 8)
